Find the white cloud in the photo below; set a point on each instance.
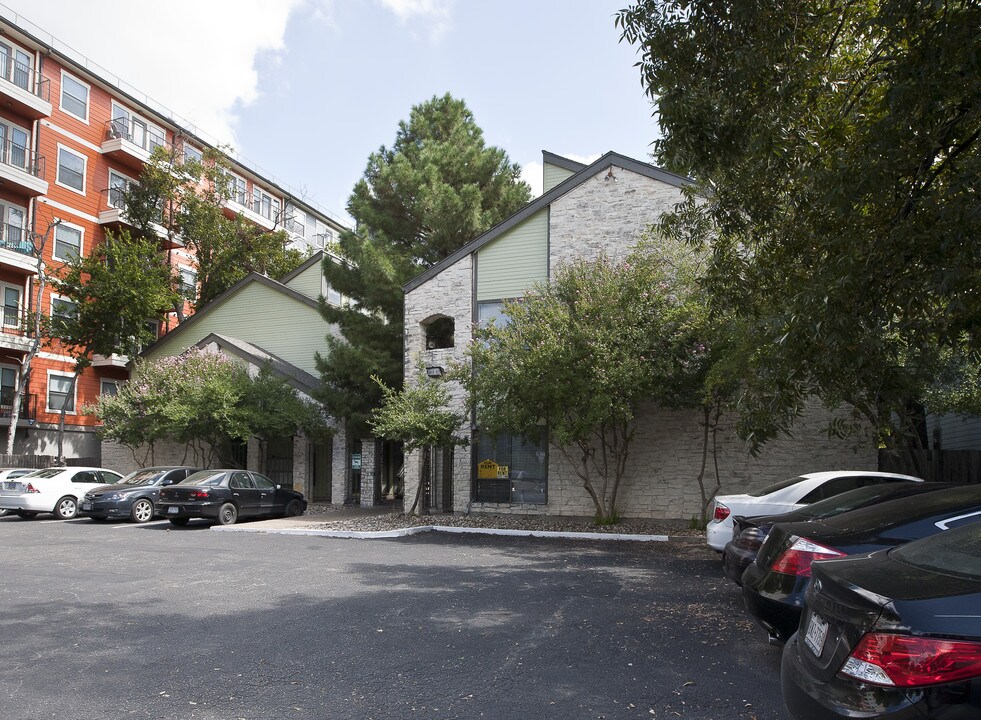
(434, 12)
(533, 172)
(195, 58)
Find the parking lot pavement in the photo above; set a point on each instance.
(160, 622)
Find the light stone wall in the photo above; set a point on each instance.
(340, 467)
(368, 460)
(302, 477)
(125, 461)
(606, 216)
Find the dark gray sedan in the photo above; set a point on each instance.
(226, 495)
(135, 496)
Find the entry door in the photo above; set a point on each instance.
(8, 386)
(19, 143)
(11, 307)
(22, 70)
(15, 220)
(320, 462)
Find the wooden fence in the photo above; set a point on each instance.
(956, 466)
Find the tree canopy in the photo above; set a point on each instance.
(836, 149)
(576, 358)
(438, 187)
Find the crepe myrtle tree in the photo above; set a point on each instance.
(419, 417)
(576, 358)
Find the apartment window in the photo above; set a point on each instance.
(237, 190)
(153, 327)
(439, 333)
(109, 387)
(333, 297)
(14, 231)
(189, 283)
(118, 187)
(68, 242)
(74, 97)
(11, 306)
(61, 394)
(265, 204)
(510, 469)
(8, 386)
(191, 153)
(16, 66)
(71, 170)
(15, 143)
(63, 311)
(488, 311)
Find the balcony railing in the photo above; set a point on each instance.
(28, 404)
(18, 156)
(26, 78)
(116, 197)
(16, 238)
(136, 132)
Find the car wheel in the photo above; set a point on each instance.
(293, 508)
(142, 511)
(227, 514)
(26, 514)
(66, 508)
(179, 522)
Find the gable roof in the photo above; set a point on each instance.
(231, 292)
(314, 259)
(297, 377)
(562, 162)
(581, 176)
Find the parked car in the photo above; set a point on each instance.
(10, 474)
(57, 490)
(895, 634)
(748, 533)
(135, 496)
(774, 584)
(788, 495)
(226, 495)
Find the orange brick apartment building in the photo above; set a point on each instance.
(71, 137)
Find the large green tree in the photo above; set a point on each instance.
(578, 357)
(438, 187)
(836, 148)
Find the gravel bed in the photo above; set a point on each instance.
(398, 520)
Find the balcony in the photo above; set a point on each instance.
(28, 406)
(262, 214)
(24, 91)
(115, 217)
(131, 142)
(114, 360)
(16, 249)
(22, 170)
(13, 336)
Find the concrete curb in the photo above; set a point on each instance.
(405, 532)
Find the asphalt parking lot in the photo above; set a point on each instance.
(123, 621)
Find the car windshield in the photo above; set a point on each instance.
(777, 486)
(204, 477)
(141, 477)
(859, 497)
(955, 552)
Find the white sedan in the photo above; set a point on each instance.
(788, 495)
(56, 490)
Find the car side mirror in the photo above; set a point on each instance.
(279, 487)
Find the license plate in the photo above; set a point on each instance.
(173, 510)
(86, 506)
(817, 632)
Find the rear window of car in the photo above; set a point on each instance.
(777, 486)
(49, 473)
(205, 477)
(954, 552)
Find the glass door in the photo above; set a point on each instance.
(22, 70)
(11, 307)
(16, 221)
(19, 142)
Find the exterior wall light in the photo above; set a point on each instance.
(434, 371)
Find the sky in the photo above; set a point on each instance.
(307, 89)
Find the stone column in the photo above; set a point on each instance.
(340, 467)
(302, 477)
(252, 456)
(411, 466)
(368, 464)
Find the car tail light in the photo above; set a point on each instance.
(904, 661)
(721, 512)
(31, 489)
(797, 559)
(198, 495)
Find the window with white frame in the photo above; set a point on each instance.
(237, 189)
(61, 393)
(189, 283)
(265, 204)
(11, 305)
(109, 387)
(68, 242)
(71, 169)
(14, 229)
(119, 185)
(191, 153)
(74, 97)
(8, 386)
(63, 311)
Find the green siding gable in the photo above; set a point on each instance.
(257, 314)
(509, 265)
(310, 282)
(554, 175)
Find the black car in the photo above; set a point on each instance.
(748, 533)
(226, 495)
(893, 635)
(134, 497)
(774, 584)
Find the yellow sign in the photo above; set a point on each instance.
(502, 471)
(487, 469)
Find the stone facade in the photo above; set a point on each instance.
(610, 215)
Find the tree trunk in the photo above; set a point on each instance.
(423, 470)
(61, 417)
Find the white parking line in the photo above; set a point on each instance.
(64, 521)
(129, 525)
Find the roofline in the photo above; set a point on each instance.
(317, 257)
(588, 171)
(226, 346)
(562, 162)
(224, 297)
